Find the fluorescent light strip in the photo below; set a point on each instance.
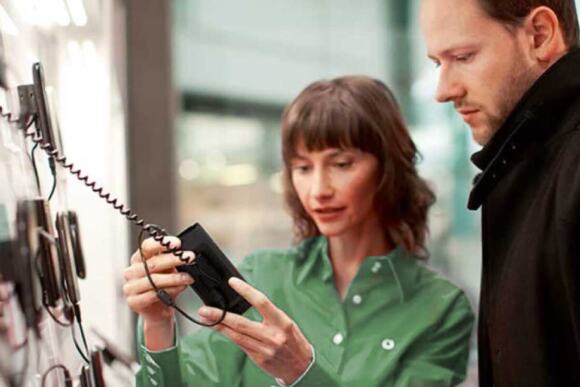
(56, 10)
(6, 23)
(77, 12)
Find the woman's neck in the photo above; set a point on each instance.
(348, 251)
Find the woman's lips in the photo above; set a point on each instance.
(326, 214)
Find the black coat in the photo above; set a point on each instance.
(529, 329)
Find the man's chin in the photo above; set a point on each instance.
(481, 134)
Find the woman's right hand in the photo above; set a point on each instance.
(142, 298)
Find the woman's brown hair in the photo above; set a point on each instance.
(361, 113)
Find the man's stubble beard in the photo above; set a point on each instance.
(520, 81)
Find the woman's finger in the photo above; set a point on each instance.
(246, 343)
(259, 301)
(162, 281)
(144, 300)
(157, 264)
(150, 247)
(237, 323)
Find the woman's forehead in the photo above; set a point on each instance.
(300, 151)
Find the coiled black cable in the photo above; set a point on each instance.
(156, 232)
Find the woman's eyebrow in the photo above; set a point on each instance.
(340, 152)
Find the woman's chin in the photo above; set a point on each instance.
(331, 230)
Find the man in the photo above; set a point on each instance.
(512, 70)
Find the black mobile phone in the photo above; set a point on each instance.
(43, 123)
(48, 254)
(66, 252)
(27, 285)
(78, 254)
(211, 271)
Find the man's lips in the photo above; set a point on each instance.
(467, 113)
(464, 111)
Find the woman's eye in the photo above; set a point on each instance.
(343, 164)
(301, 168)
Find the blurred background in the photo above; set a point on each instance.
(175, 106)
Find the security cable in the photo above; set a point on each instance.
(53, 187)
(77, 346)
(66, 372)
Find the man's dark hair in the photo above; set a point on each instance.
(513, 12)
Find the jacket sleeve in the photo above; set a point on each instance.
(568, 234)
(204, 358)
(440, 360)
(207, 358)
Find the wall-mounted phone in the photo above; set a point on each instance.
(67, 258)
(48, 259)
(98, 378)
(33, 102)
(85, 377)
(27, 285)
(75, 234)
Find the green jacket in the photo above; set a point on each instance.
(400, 324)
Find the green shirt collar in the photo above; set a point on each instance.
(395, 267)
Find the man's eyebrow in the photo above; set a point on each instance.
(432, 57)
(449, 51)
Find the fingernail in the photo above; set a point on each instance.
(190, 255)
(204, 312)
(186, 277)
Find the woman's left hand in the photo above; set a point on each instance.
(275, 344)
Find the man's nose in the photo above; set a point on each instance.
(449, 88)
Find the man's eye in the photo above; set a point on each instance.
(464, 57)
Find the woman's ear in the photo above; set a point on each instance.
(545, 35)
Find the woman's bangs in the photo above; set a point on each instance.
(324, 125)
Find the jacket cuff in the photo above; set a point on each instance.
(161, 366)
(158, 367)
(312, 361)
(314, 376)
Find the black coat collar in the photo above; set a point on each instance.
(533, 119)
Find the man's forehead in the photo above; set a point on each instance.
(450, 23)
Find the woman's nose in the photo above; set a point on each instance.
(322, 185)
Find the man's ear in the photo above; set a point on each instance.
(545, 35)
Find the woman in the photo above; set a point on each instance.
(349, 305)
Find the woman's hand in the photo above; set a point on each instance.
(142, 299)
(276, 344)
